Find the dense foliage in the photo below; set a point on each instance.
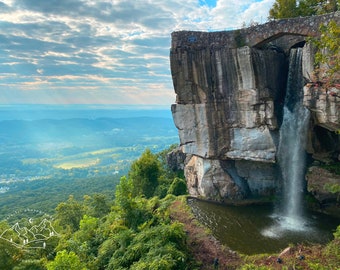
(132, 232)
(292, 8)
(46, 194)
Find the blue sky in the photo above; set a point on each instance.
(103, 51)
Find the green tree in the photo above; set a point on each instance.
(96, 205)
(159, 247)
(162, 156)
(291, 8)
(69, 214)
(144, 174)
(65, 260)
(9, 255)
(132, 208)
(337, 233)
(30, 265)
(86, 240)
(316, 7)
(123, 195)
(284, 9)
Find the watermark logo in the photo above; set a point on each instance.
(32, 229)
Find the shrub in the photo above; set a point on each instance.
(178, 187)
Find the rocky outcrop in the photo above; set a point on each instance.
(318, 179)
(176, 159)
(228, 110)
(206, 177)
(322, 98)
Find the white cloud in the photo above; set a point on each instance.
(117, 49)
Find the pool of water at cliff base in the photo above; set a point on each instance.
(253, 229)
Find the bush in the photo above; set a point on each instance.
(178, 187)
(30, 265)
(159, 247)
(65, 260)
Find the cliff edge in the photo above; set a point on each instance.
(230, 88)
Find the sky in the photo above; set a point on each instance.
(103, 51)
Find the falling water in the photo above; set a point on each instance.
(291, 152)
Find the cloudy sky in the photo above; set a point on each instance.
(103, 51)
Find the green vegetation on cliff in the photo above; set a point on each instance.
(328, 53)
(282, 9)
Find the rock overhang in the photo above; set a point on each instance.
(230, 94)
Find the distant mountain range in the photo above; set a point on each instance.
(62, 112)
(75, 129)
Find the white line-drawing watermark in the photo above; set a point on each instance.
(28, 232)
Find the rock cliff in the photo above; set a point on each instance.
(230, 89)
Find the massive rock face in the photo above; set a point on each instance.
(225, 102)
(228, 111)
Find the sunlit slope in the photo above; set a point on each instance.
(44, 147)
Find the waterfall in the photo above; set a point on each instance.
(293, 134)
(291, 153)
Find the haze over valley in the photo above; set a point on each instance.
(57, 145)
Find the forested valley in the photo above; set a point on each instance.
(138, 227)
(131, 231)
(49, 153)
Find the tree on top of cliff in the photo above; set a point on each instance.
(291, 8)
(283, 9)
